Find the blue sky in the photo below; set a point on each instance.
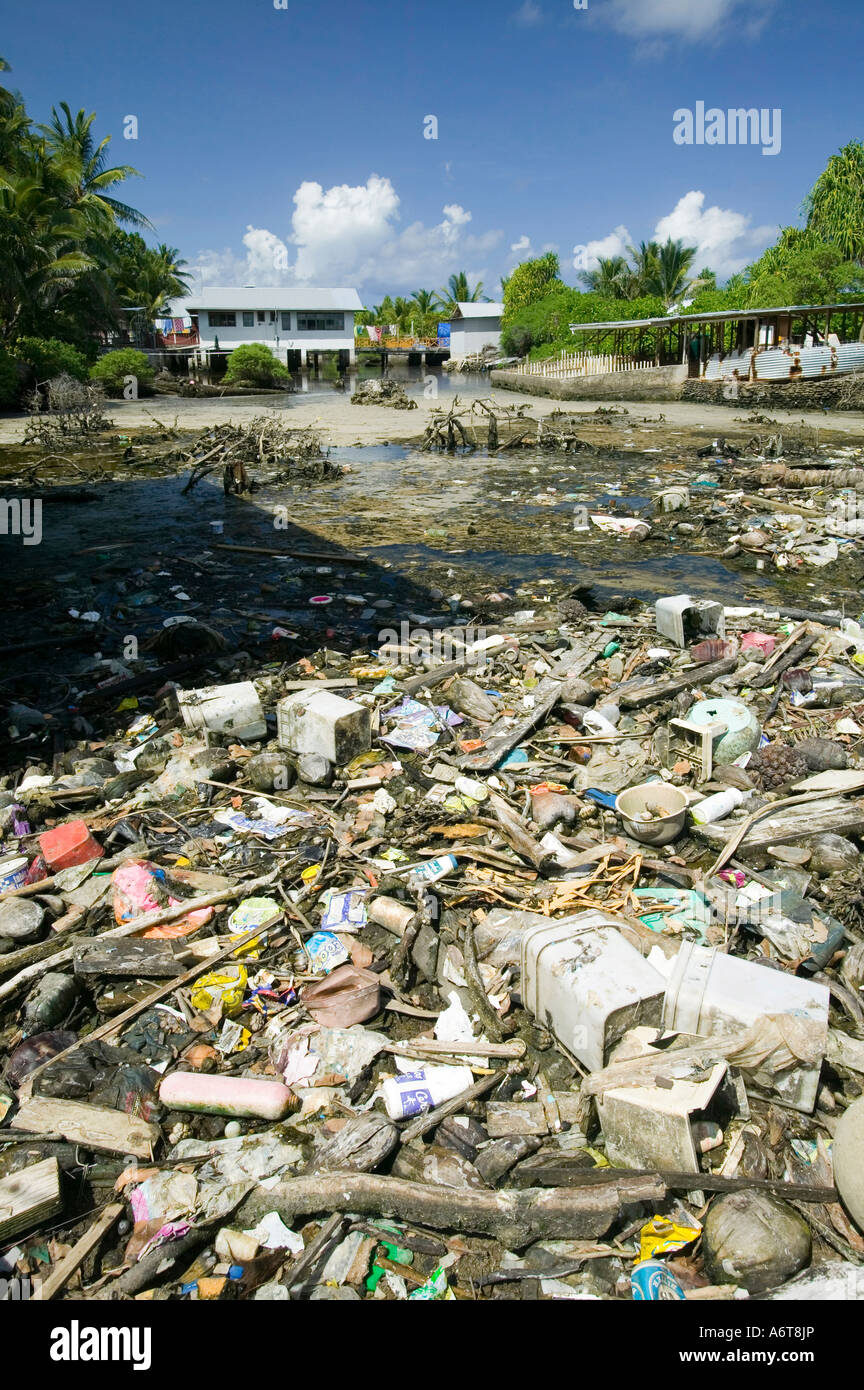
(287, 145)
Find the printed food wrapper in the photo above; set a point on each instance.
(325, 952)
(344, 911)
(224, 987)
(660, 1236)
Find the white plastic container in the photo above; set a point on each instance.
(684, 619)
(716, 807)
(13, 872)
(224, 709)
(317, 721)
(582, 979)
(415, 1092)
(710, 992)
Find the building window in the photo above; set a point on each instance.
(222, 320)
(272, 315)
(312, 323)
(286, 322)
(248, 319)
(262, 317)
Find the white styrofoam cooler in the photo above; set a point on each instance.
(584, 981)
(710, 992)
(317, 721)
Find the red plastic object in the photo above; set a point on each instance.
(67, 845)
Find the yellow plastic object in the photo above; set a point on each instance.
(225, 986)
(659, 1236)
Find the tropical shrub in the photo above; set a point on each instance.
(255, 363)
(113, 369)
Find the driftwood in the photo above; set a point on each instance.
(654, 691)
(515, 1217)
(779, 475)
(62, 1272)
(504, 734)
(424, 1123)
(784, 822)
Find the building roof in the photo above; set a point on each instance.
(723, 315)
(470, 310)
(271, 297)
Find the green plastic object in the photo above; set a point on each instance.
(611, 648)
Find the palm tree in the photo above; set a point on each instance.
(458, 291)
(668, 275)
(613, 278)
(72, 151)
(644, 258)
(835, 203)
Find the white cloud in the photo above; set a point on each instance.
(348, 235)
(588, 256)
(523, 245)
(689, 20)
(724, 239)
(528, 14)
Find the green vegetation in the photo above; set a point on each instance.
(820, 263)
(68, 269)
(47, 357)
(114, 367)
(254, 364)
(420, 315)
(529, 282)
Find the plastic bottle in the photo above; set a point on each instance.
(718, 806)
(415, 1092)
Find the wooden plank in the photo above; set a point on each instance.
(138, 958)
(503, 735)
(649, 691)
(93, 1126)
(791, 824)
(62, 1272)
(29, 1196)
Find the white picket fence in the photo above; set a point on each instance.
(581, 364)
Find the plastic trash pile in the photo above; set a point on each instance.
(534, 963)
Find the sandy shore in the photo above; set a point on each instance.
(344, 423)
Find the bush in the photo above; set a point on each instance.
(114, 367)
(8, 380)
(255, 363)
(49, 357)
(517, 340)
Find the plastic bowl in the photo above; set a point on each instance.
(629, 803)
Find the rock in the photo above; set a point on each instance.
(21, 920)
(832, 854)
(343, 1294)
(269, 770)
(466, 697)
(551, 808)
(823, 754)
(51, 1000)
(848, 1154)
(314, 769)
(755, 1240)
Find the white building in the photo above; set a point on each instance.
(291, 322)
(473, 327)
